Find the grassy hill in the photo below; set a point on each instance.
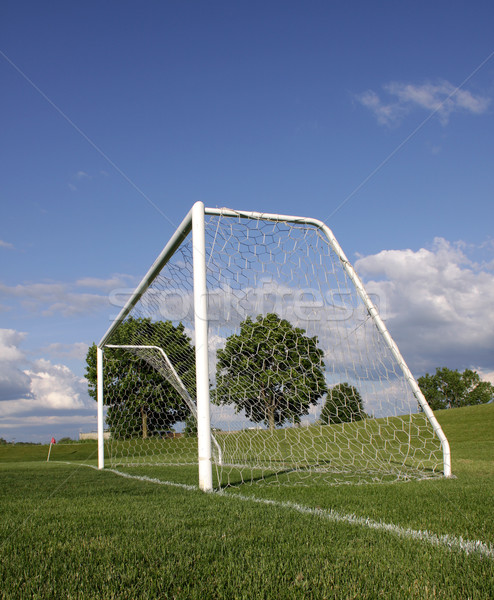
(470, 431)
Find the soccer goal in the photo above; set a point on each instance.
(251, 353)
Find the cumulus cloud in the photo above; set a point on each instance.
(14, 383)
(441, 98)
(56, 387)
(439, 304)
(10, 339)
(36, 388)
(486, 375)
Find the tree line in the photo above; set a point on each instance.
(449, 388)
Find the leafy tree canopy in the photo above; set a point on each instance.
(140, 401)
(451, 389)
(270, 369)
(343, 405)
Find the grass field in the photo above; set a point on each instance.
(70, 531)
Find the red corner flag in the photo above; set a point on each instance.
(53, 441)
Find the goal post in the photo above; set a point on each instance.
(201, 347)
(268, 340)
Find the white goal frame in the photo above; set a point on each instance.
(195, 222)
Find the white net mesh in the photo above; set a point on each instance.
(303, 386)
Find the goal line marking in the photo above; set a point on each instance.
(451, 542)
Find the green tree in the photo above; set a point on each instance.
(140, 401)
(451, 389)
(190, 425)
(343, 405)
(271, 370)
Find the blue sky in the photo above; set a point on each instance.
(117, 116)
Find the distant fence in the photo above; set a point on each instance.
(93, 435)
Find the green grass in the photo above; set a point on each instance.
(68, 531)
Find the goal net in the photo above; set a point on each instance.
(252, 349)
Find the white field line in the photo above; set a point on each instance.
(184, 486)
(450, 542)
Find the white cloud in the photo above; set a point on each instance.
(10, 339)
(8, 245)
(26, 421)
(54, 298)
(486, 375)
(439, 304)
(68, 299)
(56, 387)
(386, 114)
(78, 177)
(442, 98)
(116, 281)
(38, 387)
(77, 350)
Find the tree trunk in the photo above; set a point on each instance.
(269, 409)
(144, 417)
(271, 417)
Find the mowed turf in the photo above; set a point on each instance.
(68, 531)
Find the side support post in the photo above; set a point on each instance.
(201, 343)
(101, 439)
